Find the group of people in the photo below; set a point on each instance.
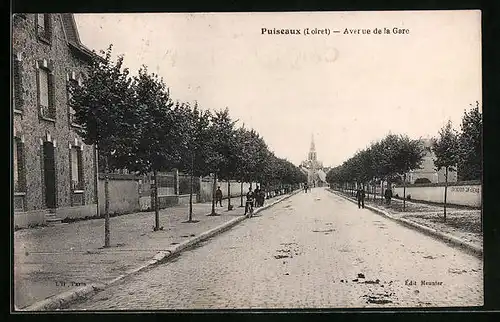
(256, 198)
(360, 196)
(253, 198)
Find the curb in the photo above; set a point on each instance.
(475, 250)
(63, 299)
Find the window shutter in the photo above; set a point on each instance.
(80, 168)
(48, 26)
(19, 165)
(21, 178)
(18, 89)
(51, 93)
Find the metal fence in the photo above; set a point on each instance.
(184, 185)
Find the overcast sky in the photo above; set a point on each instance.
(347, 89)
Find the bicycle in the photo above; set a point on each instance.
(250, 209)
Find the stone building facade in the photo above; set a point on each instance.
(54, 172)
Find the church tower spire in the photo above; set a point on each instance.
(312, 150)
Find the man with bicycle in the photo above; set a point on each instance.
(249, 203)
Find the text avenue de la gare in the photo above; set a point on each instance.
(327, 31)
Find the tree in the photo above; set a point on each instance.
(161, 130)
(251, 157)
(469, 166)
(196, 137)
(221, 134)
(105, 108)
(446, 149)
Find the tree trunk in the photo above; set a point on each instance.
(445, 190)
(382, 191)
(155, 192)
(191, 200)
(404, 192)
(241, 193)
(106, 205)
(213, 195)
(190, 216)
(228, 195)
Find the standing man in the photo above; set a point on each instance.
(218, 196)
(256, 195)
(262, 197)
(360, 195)
(388, 195)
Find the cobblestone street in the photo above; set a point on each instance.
(314, 250)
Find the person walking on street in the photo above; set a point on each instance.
(388, 195)
(360, 195)
(218, 197)
(256, 196)
(262, 197)
(249, 202)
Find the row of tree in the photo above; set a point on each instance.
(383, 161)
(136, 125)
(391, 158)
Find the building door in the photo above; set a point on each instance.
(49, 174)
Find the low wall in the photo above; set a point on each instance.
(457, 194)
(123, 194)
(37, 217)
(25, 219)
(77, 211)
(184, 199)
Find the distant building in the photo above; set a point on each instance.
(54, 172)
(316, 174)
(427, 172)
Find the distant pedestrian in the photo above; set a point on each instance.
(360, 195)
(388, 195)
(249, 202)
(305, 187)
(262, 197)
(218, 197)
(256, 194)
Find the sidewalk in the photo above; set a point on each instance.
(462, 224)
(53, 260)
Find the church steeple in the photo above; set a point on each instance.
(312, 150)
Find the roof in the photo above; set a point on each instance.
(71, 33)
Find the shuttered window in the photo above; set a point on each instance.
(18, 165)
(76, 168)
(17, 86)
(43, 81)
(44, 27)
(46, 91)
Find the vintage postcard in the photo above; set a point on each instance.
(247, 161)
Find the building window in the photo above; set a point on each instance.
(44, 27)
(17, 93)
(18, 165)
(73, 83)
(46, 91)
(76, 168)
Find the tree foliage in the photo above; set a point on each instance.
(137, 126)
(386, 159)
(105, 108)
(446, 148)
(470, 145)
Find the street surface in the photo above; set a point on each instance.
(314, 250)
